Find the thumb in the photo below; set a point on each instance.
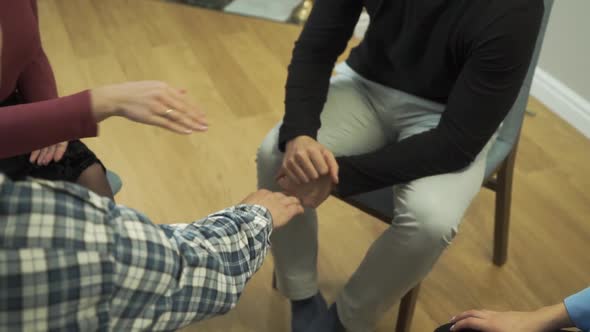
(332, 164)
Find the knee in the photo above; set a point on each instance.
(268, 158)
(435, 222)
(95, 179)
(93, 172)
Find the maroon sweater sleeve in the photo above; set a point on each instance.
(45, 119)
(36, 82)
(27, 127)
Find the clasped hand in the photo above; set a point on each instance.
(309, 171)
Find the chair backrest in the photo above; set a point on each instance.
(510, 131)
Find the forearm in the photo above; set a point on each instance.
(26, 127)
(202, 267)
(323, 39)
(149, 277)
(425, 154)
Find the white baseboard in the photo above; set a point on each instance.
(562, 100)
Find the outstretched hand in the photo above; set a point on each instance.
(545, 319)
(149, 102)
(281, 207)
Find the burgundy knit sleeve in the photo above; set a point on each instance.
(44, 119)
(27, 127)
(37, 82)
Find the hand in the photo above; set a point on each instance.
(310, 194)
(546, 319)
(307, 160)
(46, 155)
(149, 102)
(282, 208)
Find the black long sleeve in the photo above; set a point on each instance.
(470, 55)
(323, 39)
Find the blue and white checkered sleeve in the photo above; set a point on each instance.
(172, 275)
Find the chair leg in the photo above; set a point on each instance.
(406, 310)
(502, 214)
(274, 280)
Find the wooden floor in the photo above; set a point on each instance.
(235, 68)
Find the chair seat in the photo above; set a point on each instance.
(115, 182)
(378, 203)
(498, 153)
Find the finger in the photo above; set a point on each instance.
(49, 155)
(177, 111)
(41, 156)
(60, 151)
(293, 178)
(34, 156)
(332, 164)
(166, 123)
(297, 171)
(307, 166)
(471, 323)
(193, 112)
(319, 162)
(468, 314)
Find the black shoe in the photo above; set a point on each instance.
(303, 312)
(328, 322)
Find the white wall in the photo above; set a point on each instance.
(563, 76)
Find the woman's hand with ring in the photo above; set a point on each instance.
(149, 102)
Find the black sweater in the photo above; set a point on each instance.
(471, 55)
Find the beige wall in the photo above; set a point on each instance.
(566, 52)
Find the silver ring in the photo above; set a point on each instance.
(169, 111)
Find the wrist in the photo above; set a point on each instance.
(298, 139)
(553, 317)
(102, 106)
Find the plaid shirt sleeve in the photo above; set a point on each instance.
(71, 260)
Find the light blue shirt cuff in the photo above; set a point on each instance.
(578, 307)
